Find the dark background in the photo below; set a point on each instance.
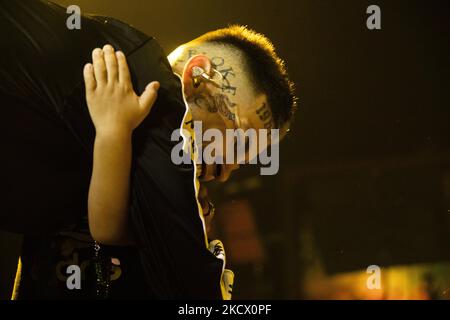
(366, 169)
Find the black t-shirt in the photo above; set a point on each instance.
(45, 260)
(47, 139)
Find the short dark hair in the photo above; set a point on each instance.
(267, 71)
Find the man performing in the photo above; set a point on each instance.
(65, 158)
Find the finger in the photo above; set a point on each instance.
(124, 72)
(111, 63)
(89, 78)
(99, 66)
(148, 98)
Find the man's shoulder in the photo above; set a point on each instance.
(121, 31)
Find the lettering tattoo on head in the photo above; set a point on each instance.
(265, 115)
(190, 54)
(219, 64)
(217, 103)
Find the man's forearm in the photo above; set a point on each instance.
(108, 202)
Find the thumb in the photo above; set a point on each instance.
(148, 98)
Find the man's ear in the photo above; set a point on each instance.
(201, 61)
